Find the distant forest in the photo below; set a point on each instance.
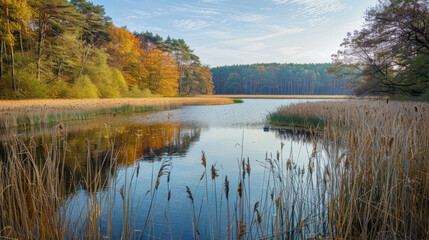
(274, 78)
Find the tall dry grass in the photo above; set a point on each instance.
(38, 197)
(35, 112)
(378, 169)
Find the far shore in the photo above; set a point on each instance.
(242, 96)
(43, 106)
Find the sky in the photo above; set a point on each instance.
(228, 32)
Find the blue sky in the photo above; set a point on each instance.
(225, 32)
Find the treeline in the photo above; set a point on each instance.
(274, 78)
(71, 49)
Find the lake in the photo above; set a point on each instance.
(187, 202)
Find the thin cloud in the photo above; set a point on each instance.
(139, 14)
(221, 56)
(279, 31)
(253, 47)
(211, 1)
(288, 51)
(316, 11)
(190, 24)
(249, 17)
(217, 34)
(206, 12)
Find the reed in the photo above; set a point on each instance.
(47, 112)
(377, 169)
(38, 200)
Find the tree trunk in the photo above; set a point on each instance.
(11, 50)
(85, 56)
(1, 58)
(180, 69)
(20, 43)
(59, 67)
(13, 68)
(40, 45)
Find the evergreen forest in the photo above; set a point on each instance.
(274, 78)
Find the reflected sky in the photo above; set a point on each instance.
(228, 134)
(251, 113)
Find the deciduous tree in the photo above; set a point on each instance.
(161, 73)
(391, 54)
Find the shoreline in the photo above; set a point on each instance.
(26, 114)
(45, 106)
(42, 106)
(243, 96)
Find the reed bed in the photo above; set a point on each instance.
(38, 200)
(378, 168)
(24, 113)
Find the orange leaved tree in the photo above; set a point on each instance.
(125, 54)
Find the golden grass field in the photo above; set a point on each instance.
(42, 106)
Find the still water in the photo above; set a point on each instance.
(177, 138)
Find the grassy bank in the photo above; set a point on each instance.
(380, 183)
(290, 120)
(27, 113)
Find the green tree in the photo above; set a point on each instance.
(51, 18)
(94, 27)
(13, 15)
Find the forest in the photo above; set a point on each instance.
(71, 49)
(274, 78)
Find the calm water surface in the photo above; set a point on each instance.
(226, 134)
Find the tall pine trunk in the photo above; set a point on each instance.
(40, 45)
(1, 58)
(13, 68)
(11, 50)
(84, 58)
(20, 42)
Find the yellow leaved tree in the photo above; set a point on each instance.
(161, 73)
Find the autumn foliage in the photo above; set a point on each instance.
(160, 73)
(71, 49)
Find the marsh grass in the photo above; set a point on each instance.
(378, 182)
(26, 114)
(38, 197)
(295, 121)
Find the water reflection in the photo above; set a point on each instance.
(100, 151)
(90, 153)
(294, 134)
